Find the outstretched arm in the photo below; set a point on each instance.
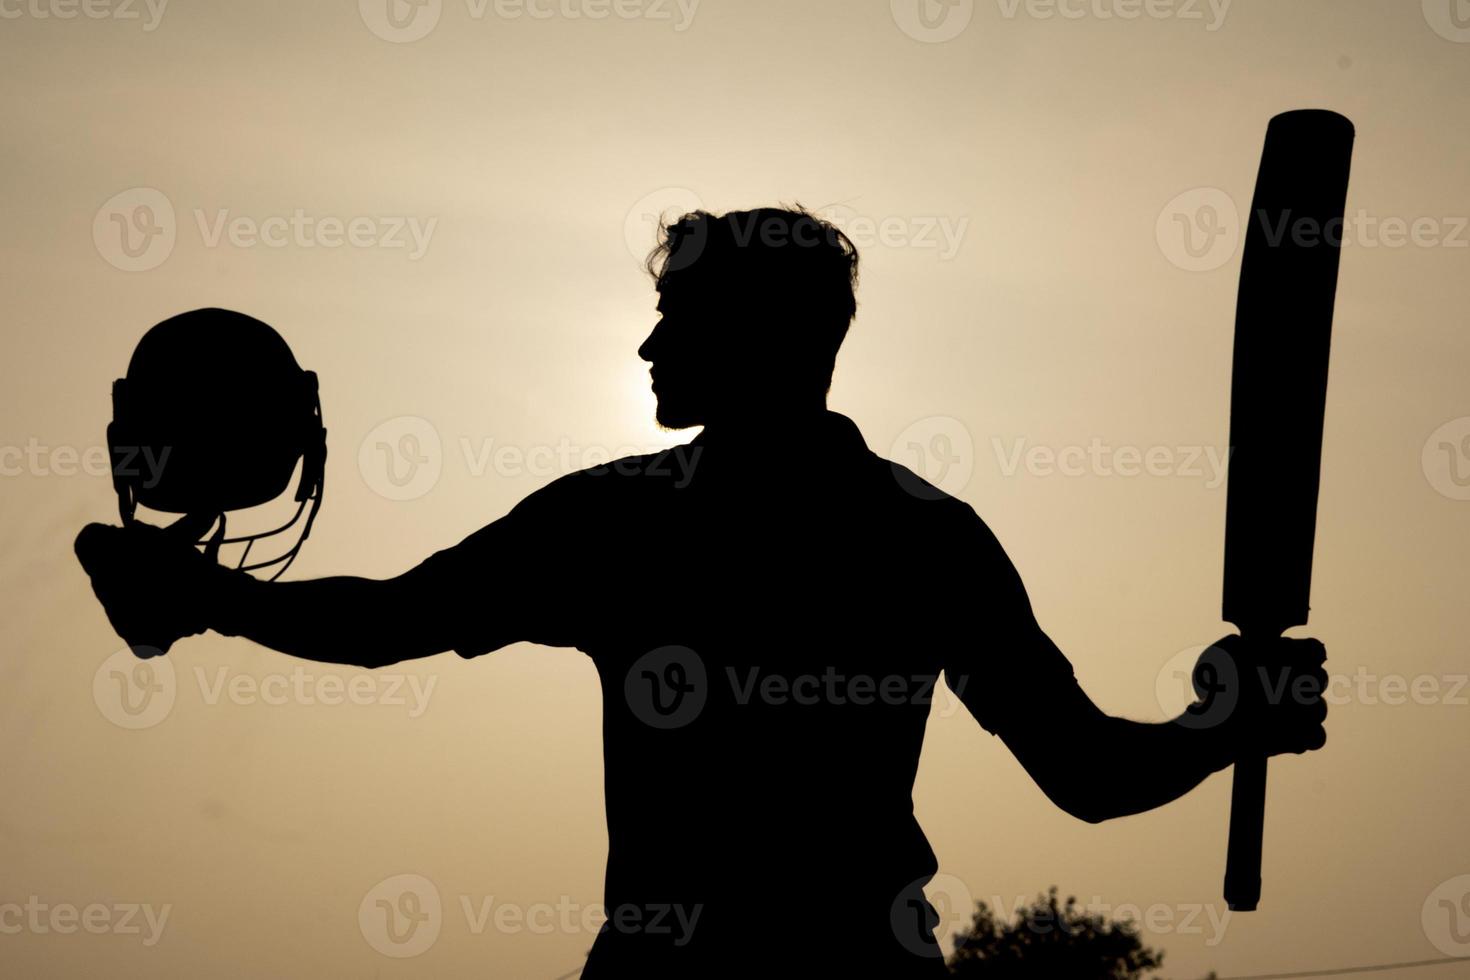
(156, 588)
(343, 620)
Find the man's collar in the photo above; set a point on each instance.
(828, 431)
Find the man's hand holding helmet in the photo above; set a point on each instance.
(223, 439)
(154, 584)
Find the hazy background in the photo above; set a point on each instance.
(1065, 313)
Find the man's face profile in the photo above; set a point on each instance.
(753, 306)
(688, 362)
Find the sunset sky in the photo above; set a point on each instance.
(443, 208)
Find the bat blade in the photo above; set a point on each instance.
(1278, 393)
(1283, 330)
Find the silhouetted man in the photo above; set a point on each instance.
(769, 608)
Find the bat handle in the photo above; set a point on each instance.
(1247, 819)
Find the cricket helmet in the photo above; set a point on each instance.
(213, 416)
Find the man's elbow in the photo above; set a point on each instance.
(1097, 815)
(1089, 811)
(378, 659)
(1088, 802)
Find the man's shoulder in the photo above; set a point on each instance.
(916, 493)
(672, 467)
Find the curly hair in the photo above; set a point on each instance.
(795, 268)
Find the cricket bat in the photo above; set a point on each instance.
(1278, 392)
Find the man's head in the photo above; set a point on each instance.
(754, 306)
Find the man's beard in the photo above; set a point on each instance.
(672, 418)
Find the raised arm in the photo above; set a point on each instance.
(1096, 766)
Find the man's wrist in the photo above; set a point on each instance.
(1218, 743)
(1222, 747)
(226, 594)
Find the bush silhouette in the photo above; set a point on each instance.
(1051, 939)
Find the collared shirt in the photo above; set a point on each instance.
(770, 629)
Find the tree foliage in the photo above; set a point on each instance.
(1051, 939)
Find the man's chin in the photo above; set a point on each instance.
(672, 418)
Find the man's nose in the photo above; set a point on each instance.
(649, 348)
